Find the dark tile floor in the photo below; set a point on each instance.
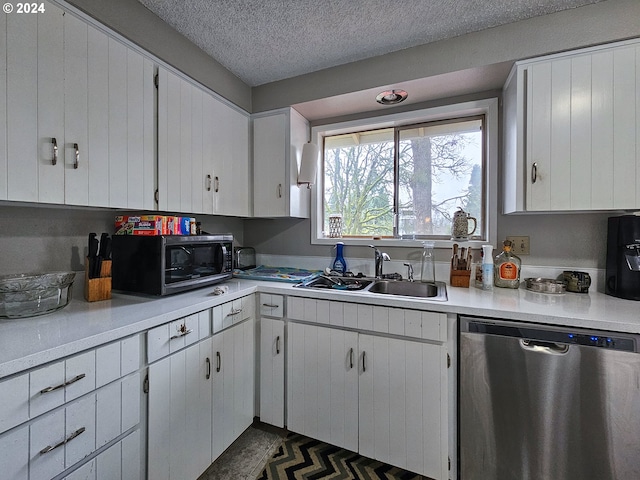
(247, 456)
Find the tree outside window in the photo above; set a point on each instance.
(439, 167)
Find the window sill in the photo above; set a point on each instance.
(397, 242)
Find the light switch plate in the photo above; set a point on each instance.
(519, 245)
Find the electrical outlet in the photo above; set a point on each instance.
(519, 245)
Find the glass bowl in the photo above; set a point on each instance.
(24, 295)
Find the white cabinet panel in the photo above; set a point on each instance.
(107, 364)
(571, 122)
(98, 117)
(80, 417)
(50, 105)
(14, 454)
(43, 394)
(278, 138)
(117, 124)
(14, 398)
(272, 371)
(109, 412)
(109, 463)
(22, 107)
(76, 146)
(3, 113)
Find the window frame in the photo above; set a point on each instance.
(487, 107)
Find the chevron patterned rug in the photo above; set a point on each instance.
(302, 458)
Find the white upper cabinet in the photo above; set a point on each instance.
(79, 114)
(203, 151)
(278, 137)
(572, 124)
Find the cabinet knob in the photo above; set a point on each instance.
(278, 345)
(534, 172)
(216, 184)
(208, 183)
(279, 190)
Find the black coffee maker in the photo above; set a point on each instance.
(623, 257)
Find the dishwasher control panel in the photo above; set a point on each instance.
(550, 334)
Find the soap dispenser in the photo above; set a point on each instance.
(339, 264)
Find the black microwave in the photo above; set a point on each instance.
(166, 264)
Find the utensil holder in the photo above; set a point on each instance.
(460, 278)
(96, 289)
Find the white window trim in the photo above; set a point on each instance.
(487, 107)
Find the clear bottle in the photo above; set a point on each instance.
(339, 264)
(507, 268)
(487, 267)
(427, 268)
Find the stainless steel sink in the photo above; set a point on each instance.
(433, 291)
(336, 283)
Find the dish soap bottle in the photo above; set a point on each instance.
(507, 269)
(339, 264)
(487, 267)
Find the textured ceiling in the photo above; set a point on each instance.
(262, 41)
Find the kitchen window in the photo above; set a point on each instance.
(400, 183)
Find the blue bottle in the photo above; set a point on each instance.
(339, 264)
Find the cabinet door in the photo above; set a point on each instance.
(272, 371)
(582, 130)
(14, 454)
(319, 357)
(231, 164)
(401, 405)
(22, 106)
(270, 185)
(76, 146)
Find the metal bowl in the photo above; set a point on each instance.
(545, 285)
(30, 295)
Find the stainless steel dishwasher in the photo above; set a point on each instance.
(539, 402)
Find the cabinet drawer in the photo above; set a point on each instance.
(62, 438)
(230, 313)
(60, 382)
(14, 454)
(173, 336)
(271, 305)
(14, 398)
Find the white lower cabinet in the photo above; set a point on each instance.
(272, 371)
(233, 384)
(201, 398)
(382, 396)
(69, 410)
(180, 414)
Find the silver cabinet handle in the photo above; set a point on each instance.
(208, 183)
(270, 305)
(218, 362)
(208, 374)
(234, 312)
(182, 331)
(351, 358)
(279, 190)
(216, 184)
(77, 161)
(534, 172)
(364, 363)
(278, 345)
(54, 159)
(62, 385)
(48, 448)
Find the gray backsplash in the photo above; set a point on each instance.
(46, 238)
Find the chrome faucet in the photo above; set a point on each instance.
(380, 257)
(409, 271)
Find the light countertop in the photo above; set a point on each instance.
(26, 343)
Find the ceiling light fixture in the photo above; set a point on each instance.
(391, 97)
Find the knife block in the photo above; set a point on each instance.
(460, 278)
(96, 289)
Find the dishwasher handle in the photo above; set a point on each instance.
(539, 346)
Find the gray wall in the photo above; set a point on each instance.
(564, 240)
(603, 22)
(46, 238)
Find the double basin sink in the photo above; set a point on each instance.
(433, 291)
